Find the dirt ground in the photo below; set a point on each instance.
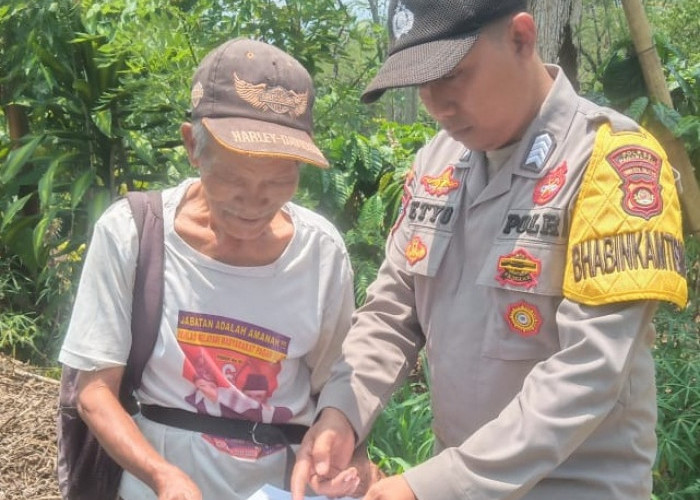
(28, 404)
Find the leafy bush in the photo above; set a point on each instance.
(402, 436)
(677, 355)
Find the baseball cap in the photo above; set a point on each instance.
(256, 99)
(428, 38)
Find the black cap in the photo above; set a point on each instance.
(428, 38)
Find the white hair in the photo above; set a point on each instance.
(202, 139)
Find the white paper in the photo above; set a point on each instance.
(269, 492)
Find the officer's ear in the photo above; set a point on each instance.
(523, 34)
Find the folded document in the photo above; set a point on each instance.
(269, 492)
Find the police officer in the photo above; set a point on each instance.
(538, 233)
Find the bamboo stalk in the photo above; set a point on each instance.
(656, 83)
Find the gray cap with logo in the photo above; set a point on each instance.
(428, 38)
(256, 99)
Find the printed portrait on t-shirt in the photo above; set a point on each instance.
(233, 367)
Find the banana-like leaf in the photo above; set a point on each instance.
(18, 158)
(46, 183)
(80, 187)
(98, 204)
(14, 208)
(39, 237)
(103, 120)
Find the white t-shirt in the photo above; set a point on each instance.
(239, 342)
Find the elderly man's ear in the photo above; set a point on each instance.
(188, 141)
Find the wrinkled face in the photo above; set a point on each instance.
(244, 193)
(479, 102)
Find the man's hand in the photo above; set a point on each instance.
(391, 488)
(173, 484)
(326, 450)
(99, 407)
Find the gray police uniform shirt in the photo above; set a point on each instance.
(534, 395)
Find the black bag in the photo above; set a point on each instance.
(85, 470)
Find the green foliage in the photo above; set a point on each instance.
(362, 191)
(17, 325)
(619, 83)
(402, 435)
(103, 87)
(677, 354)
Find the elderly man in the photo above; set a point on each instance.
(258, 295)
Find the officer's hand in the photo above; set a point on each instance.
(353, 481)
(391, 488)
(324, 456)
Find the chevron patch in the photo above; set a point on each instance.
(542, 145)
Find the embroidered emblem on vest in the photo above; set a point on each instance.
(639, 169)
(542, 145)
(277, 99)
(524, 319)
(402, 22)
(442, 184)
(548, 187)
(416, 250)
(518, 269)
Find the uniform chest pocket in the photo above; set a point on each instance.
(523, 283)
(420, 250)
(424, 234)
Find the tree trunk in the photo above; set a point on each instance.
(658, 91)
(556, 22)
(18, 127)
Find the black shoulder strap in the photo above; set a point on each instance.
(147, 306)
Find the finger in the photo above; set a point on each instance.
(342, 484)
(301, 473)
(321, 454)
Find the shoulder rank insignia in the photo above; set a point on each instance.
(542, 146)
(626, 239)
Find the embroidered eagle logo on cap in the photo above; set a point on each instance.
(277, 99)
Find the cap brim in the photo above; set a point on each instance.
(418, 65)
(259, 138)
